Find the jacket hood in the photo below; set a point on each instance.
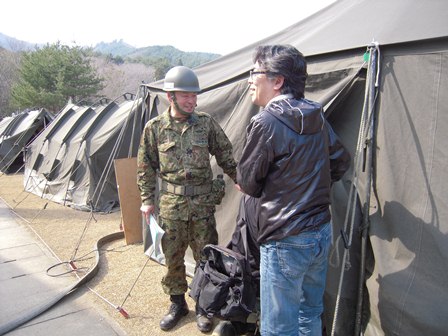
(302, 116)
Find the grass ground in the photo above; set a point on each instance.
(125, 278)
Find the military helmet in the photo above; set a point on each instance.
(181, 78)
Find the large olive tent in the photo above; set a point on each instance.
(390, 109)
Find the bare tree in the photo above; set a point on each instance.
(9, 66)
(122, 78)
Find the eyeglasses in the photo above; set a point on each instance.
(253, 73)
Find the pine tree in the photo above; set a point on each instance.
(51, 76)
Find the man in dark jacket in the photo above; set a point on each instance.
(289, 161)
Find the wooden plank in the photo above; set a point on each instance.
(129, 195)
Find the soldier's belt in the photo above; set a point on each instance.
(188, 190)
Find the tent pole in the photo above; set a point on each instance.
(369, 148)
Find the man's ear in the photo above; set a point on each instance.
(279, 80)
(170, 96)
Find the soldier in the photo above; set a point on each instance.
(176, 146)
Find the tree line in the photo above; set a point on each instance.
(50, 76)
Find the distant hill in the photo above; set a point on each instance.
(152, 53)
(114, 48)
(13, 44)
(119, 48)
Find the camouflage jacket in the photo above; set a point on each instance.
(180, 153)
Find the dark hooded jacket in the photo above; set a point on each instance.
(290, 159)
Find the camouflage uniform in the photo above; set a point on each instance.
(179, 153)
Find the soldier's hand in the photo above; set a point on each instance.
(147, 210)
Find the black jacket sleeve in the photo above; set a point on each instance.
(339, 155)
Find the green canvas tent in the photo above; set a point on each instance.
(16, 132)
(399, 268)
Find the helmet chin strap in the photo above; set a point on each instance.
(178, 109)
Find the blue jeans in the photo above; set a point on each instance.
(292, 279)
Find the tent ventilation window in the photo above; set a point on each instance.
(74, 170)
(38, 162)
(54, 170)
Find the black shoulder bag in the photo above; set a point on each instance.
(222, 284)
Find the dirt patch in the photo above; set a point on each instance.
(73, 234)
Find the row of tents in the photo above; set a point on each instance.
(71, 162)
(380, 68)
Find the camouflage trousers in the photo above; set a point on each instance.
(178, 236)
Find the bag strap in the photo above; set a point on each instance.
(244, 238)
(243, 230)
(233, 268)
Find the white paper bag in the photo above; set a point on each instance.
(155, 250)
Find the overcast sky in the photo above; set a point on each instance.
(198, 25)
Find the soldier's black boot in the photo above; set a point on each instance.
(178, 309)
(204, 323)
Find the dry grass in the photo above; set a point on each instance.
(70, 232)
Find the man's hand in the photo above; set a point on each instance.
(147, 210)
(237, 186)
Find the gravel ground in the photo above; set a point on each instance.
(125, 278)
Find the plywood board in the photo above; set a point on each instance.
(129, 195)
